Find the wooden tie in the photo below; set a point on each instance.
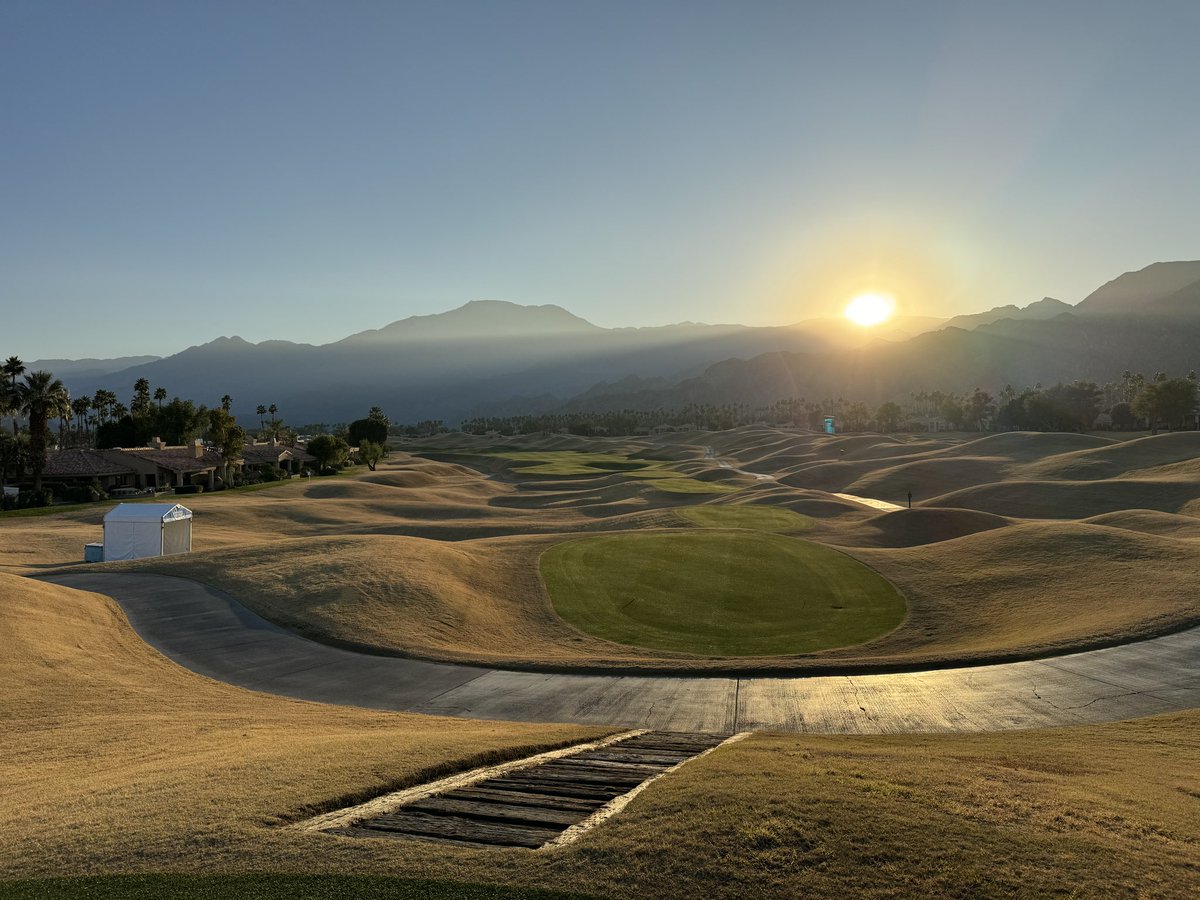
(530, 807)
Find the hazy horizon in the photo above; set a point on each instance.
(305, 172)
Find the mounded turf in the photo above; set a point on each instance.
(750, 516)
(720, 593)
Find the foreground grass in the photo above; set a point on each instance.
(720, 593)
(264, 887)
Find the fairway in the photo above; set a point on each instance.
(719, 593)
(750, 516)
(657, 473)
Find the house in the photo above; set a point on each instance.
(291, 460)
(85, 466)
(158, 466)
(162, 466)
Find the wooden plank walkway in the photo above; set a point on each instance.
(531, 807)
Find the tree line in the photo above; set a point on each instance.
(102, 421)
(1136, 402)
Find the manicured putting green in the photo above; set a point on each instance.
(719, 593)
(745, 515)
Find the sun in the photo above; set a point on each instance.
(870, 309)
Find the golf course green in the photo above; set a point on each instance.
(719, 593)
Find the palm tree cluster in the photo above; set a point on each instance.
(102, 420)
(40, 398)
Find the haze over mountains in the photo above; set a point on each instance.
(500, 358)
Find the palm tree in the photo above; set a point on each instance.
(43, 397)
(100, 405)
(14, 369)
(80, 407)
(160, 394)
(140, 405)
(261, 411)
(8, 402)
(226, 402)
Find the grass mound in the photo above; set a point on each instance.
(1072, 499)
(1040, 586)
(1149, 521)
(719, 594)
(913, 527)
(1030, 445)
(1113, 460)
(753, 517)
(928, 477)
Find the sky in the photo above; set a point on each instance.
(175, 171)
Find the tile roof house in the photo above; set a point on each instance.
(85, 464)
(157, 466)
(290, 459)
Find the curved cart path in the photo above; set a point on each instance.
(210, 633)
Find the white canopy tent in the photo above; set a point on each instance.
(136, 530)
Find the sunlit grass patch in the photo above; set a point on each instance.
(750, 516)
(661, 474)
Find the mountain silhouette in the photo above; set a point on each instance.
(495, 357)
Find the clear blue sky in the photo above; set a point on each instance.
(173, 171)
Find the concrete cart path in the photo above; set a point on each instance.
(867, 501)
(210, 633)
(884, 505)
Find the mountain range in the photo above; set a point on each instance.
(500, 358)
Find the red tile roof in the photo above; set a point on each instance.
(82, 463)
(178, 459)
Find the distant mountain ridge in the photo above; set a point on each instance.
(480, 319)
(87, 368)
(1046, 308)
(491, 355)
(1159, 287)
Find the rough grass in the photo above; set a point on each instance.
(265, 887)
(718, 593)
(115, 761)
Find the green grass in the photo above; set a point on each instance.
(659, 474)
(34, 511)
(719, 593)
(75, 507)
(577, 462)
(263, 887)
(682, 484)
(750, 516)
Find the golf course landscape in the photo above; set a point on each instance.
(690, 554)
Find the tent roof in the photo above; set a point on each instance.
(147, 512)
